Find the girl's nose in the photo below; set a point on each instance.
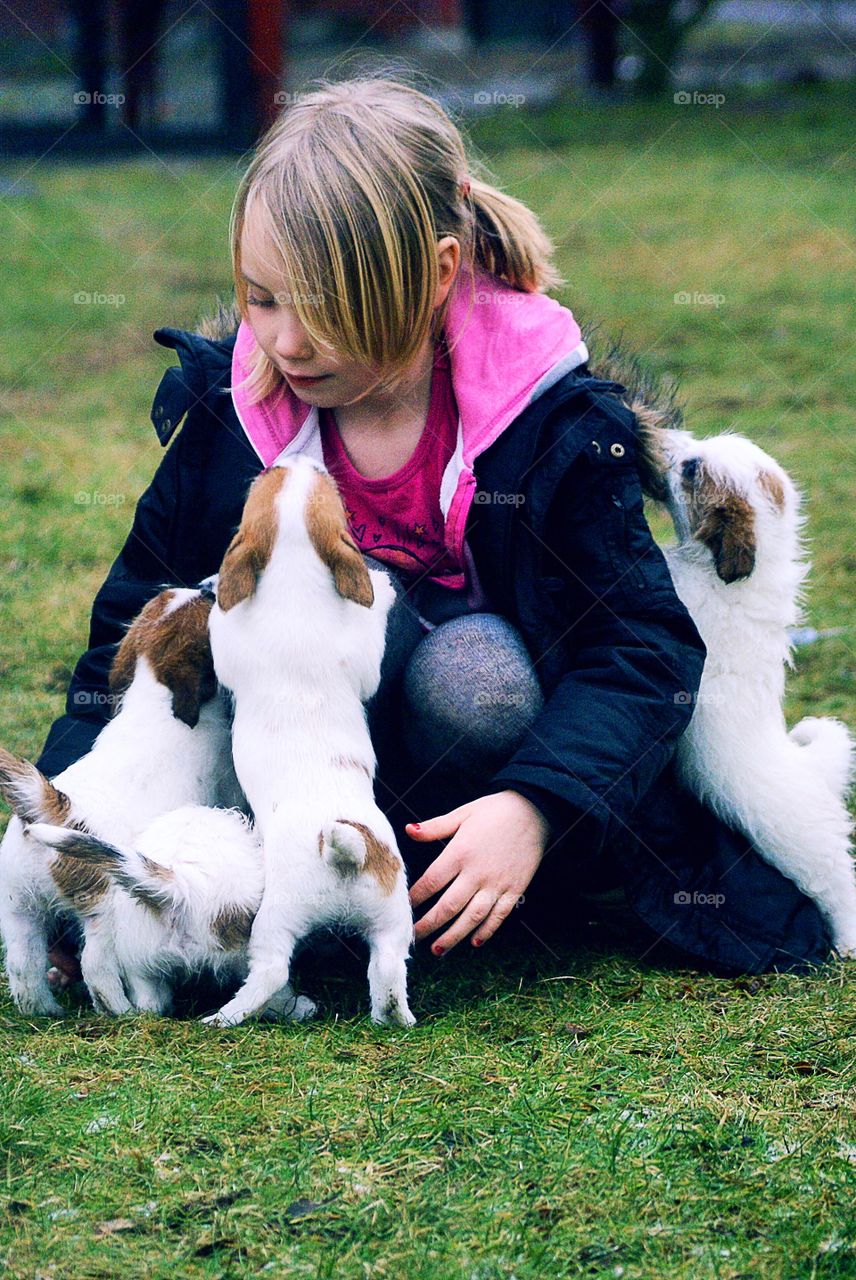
(292, 341)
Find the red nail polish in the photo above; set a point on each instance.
(477, 942)
(437, 949)
(415, 825)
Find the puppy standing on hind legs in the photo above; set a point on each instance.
(739, 569)
(297, 635)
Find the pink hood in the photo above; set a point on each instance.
(506, 349)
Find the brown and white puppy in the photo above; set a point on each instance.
(298, 635)
(187, 893)
(740, 569)
(167, 745)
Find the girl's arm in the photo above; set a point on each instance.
(635, 660)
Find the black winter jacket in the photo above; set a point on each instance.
(575, 568)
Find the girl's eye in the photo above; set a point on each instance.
(259, 302)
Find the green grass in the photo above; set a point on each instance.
(561, 1111)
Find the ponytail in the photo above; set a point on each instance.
(508, 241)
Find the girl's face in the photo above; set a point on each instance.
(317, 375)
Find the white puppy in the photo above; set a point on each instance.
(186, 896)
(168, 745)
(298, 636)
(739, 568)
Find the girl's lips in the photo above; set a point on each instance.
(305, 382)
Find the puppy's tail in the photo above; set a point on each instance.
(343, 847)
(831, 748)
(31, 795)
(149, 882)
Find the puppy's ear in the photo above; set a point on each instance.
(773, 488)
(728, 529)
(327, 526)
(250, 550)
(192, 686)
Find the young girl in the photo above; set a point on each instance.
(540, 667)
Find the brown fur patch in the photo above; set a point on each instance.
(178, 649)
(724, 521)
(380, 861)
(350, 762)
(327, 525)
(97, 857)
(231, 927)
(773, 487)
(81, 883)
(250, 550)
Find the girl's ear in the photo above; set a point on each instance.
(328, 530)
(448, 262)
(250, 550)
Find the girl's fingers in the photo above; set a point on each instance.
(445, 824)
(453, 900)
(501, 911)
(477, 909)
(441, 871)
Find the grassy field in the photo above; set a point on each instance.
(561, 1110)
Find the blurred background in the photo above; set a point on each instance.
(100, 74)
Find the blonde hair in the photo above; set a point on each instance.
(352, 187)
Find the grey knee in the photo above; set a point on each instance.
(471, 693)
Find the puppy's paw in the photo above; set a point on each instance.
(393, 1014)
(40, 1006)
(222, 1019)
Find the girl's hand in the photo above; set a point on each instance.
(498, 843)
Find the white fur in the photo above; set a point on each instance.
(300, 660)
(786, 791)
(143, 763)
(186, 870)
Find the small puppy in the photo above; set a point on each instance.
(297, 635)
(167, 745)
(739, 568)
(183, 903)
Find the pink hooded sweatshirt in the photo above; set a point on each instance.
(506, 349)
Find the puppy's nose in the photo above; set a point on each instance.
(689, 469)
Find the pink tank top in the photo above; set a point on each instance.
(397, 518)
